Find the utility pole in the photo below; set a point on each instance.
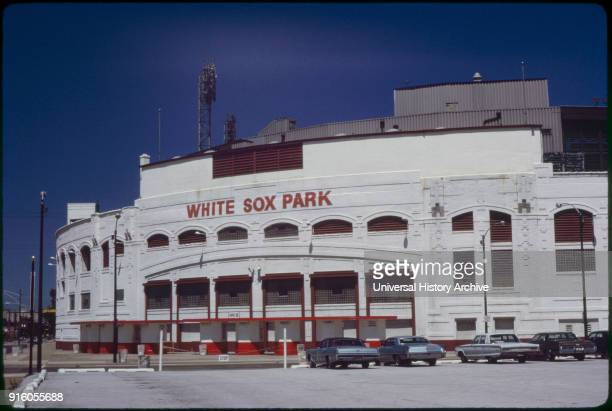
(19, 322)
(158, 134)
(580, 213)
(31, 314)
(484, 270)
(115, 329)
(584, 302)
(524, 97)
(43, 194)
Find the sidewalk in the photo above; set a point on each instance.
(54, 359)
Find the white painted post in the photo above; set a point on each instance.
(284, 347)
(161, 347)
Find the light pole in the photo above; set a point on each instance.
(43, 208)
(484, 269)
(31, 314)
(115, 330)
(19, 322)
(584, 303)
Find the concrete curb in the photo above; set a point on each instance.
(70, 370)
(31, 387)
(113, 370)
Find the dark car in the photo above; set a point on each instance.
(405, 350)
(600, 339)
(561, 344)
(341, 351)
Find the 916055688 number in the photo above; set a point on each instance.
(36, 396)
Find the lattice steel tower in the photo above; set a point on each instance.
(207, 90)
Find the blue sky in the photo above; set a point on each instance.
(82, 82)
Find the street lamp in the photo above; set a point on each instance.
(584, 304)
(115, 330)
(484, 269)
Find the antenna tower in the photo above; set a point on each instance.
(230, 129)
(207, 94)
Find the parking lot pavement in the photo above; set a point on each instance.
(564, 383)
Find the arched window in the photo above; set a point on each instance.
(332, 227)
(281, 230)
(387, 223)
(105, 258)
(501, 227)
(119, 248)
(232, 234)
(463, 222)
(86, 257)
(63, 260)
(158, 240)
(192, 237)
(72, 258)
(567, 226)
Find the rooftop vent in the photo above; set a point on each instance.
(477, 78)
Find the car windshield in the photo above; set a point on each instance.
(504, 338)
(412, 340)
(562, 336)
(346, 342)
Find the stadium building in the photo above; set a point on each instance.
(231, 246)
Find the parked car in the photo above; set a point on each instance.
(600, 339)
(561, 344)
(405, 350)
(341, 351)
(493, 347)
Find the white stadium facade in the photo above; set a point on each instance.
(232, 246)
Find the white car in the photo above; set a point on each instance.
(493, 347)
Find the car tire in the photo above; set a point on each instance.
(463, 358)
(522, 360)
(396, 360)
(344, 365)
(312, 364)
(431, 362)
(579, 357)
(377, 363)
(365, 364)
(492, 360)
(550, 356)
(328, 364)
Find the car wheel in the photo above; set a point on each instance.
(431, 362)
(377, 363)
(407, 362)
(365, 364)
(579, 357)
(462, 357)
(550, 356)
(313, 364)
(522, 359)
(396, 360)
(491, 360)
(327, 363)
(344, 365)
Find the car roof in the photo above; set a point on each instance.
(409, 336)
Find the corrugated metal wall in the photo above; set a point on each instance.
(548, 117)
(471, 96)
